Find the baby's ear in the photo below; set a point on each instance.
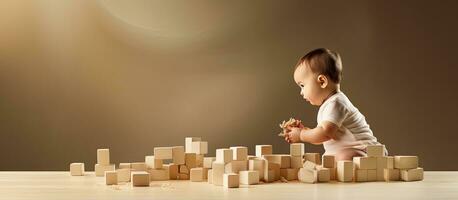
(322, 80)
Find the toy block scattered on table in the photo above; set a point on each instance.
(101, 169)
(173, 170)
(282, 159)
(257, 165)
(297, 149)
(307, 176)
(405, 162)
(140, 178)
(365, 162)
(391, 174)
(188, 143)
(123, 175)
(199, 147)
(224, 155)
(231, 180)
(324, 175)
(217, 173)
(158, 174)
(328, 161)
(296, 162)
(77, 169)
(190, 160)
(371, 175)
(289, 174)
(103, 156)
(313, 157)
(239, 153)
(249, 177)
(412, 174)
(360, 175)
(344, 171)
(197, 174)
(138, 166)
(124, 165)
(210, 176)
(263, 150)
(375, 150)
(111, 178)
(153, 163)
(235, 166)
(208, 162)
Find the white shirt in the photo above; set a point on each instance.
(353, 132)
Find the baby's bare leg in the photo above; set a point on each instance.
(348, 154)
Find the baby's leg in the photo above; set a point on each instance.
(348, 154)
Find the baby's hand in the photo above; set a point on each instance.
(294, 134)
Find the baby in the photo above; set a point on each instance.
(341, 128)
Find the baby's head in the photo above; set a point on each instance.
(318, 74)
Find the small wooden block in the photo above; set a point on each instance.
(163, 153)
(184, 169)
(138, 166)
(101, 169)
(210, 176)
(239, 153)
(296, 149)
(296, 162)
(103, 156)
(173, 170)
(183, 176)
(153, 163)
(263, 150)
(282, 159)
(371, 175)
(307, 175)
(257, 165)
(200, 160)
(250, 177)
(269, 176)
(412, 174)
(188, 143)
(375, 150)
(217, 173)
(190, 160)
(289, 174)
(178, 155)
(208, 162)
(405, 162)
(158, 174)
(140, 178)
(329, 161)
(324, 175)
(391, 174)
(123, 175)
(365, 162)
(276, 168)
(224, 155)
(309, 165)
(235, 166)
(197, 174)
(231, 180)
(344, 171)
(199, 147)
(111, 178)
(333, 173)
(77, 169)
(360, 175)
(313, 157)
(124, 165)
(383, 162)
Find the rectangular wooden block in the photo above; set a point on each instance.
(344, 171)
(289, 174)
(235, 166)
(360, 175)
(307, 175)
(231, 180)
(138, 166)
(124, 165)
(371, 175)
(208, 162)
(163, 153)
(324, 175)
(101, 169)
(328, 161)
(296, 162)
(210, 176)
(365, 162)
(405, 162)
(283, 160)
(103, 156)
(257, 165)
(200, 147)
(249, 177)
(263, 150)
(183, 169)
(178, 155)
(158, 174)
(224, 155)
(276, 168)
(111, 178)
(200, 160)
(383, 162)
(183, 176)
(217, 173)
(77, 169)
(412, 174)
(190, 160)
(197, 174)
(313, 157)
(173, 170)
(188, 143)
(140, 178)
(153, 163)
(297, 149)
(391, 174)
(239, 153)
(123, 175)
(375, 150)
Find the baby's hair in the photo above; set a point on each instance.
(323, 61)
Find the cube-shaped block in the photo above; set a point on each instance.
(101, 169)
(239, 153)
(283, 160)
(324, 175)
(231, 180)
(296, 162)
(217, 173)
(224, 155)
(289, 174)
(103, 156)
(235, 166)
(77, 169)
(208, 162)
(297, 149)
(391, 174)
(257, 165)
(123, 175)
(158, 174)
(313, 157)
(360, 175)
(263, 150)
(365, 162)
(344, 171)
(190, 160)
(140, 178)
(249, 177)
(375, 150)
(412, 174)
(328, 161)
(371, 175)
(197, 174)
(405, 162)
(188, 143)
(200, 147)
(153, 163)
(307, 175)
(111, 178)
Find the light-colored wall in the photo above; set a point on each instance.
(80, 75)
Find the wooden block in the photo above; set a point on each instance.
(360, 175)
(111, 178)
(313, 157)
(153, 163)
(307, 175)
(282, 159)
(123, 175)
(158, 174)
(324, 175)
(383, 162)
(224, 155)
(371, 175)
(200, 160)
(309, 165)
(235, 166)
(344, 171)
(101, 169)
(375, 150)
(178, 155)
(276, 168)
(210, 176)
(173, 170)
(296, 162)
(297, 149)
(333, 173)
(289, 174)
(217, 173)
(231, 180)
(184, 169)
(208, 162)
(249, 177)
(140, 178)
(188, 143)
(138, 166)
(103, 156)
(199, 147)
(197, 174)
(239, 153)
(412, 174)
(124, 165)
(390, 162)
(365, 162)
(328, 161)
(405, 162)
(391, 174)
(183, 176)
(190, 160)
(163, 153)
(263, 150)
(77, 169)
(269, 176)
(257, 165)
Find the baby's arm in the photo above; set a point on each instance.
(322, 133)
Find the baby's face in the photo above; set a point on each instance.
(311, 90)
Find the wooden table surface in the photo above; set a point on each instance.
(60, 185)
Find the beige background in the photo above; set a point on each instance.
(80, 75)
